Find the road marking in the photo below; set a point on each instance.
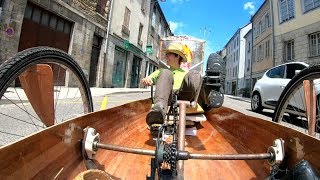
(104, 103)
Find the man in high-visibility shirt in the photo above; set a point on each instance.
(175, 80)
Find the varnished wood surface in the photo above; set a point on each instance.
(55, 152)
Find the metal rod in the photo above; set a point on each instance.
(126, 149)
(231, 156)
(181, 134)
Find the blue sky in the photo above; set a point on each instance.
(213, 20)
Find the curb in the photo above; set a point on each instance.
(239, 98)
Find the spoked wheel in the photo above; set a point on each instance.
(40, 87)
(298, 105)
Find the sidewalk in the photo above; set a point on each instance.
(70, 92)
(104, 91)
(238, 98)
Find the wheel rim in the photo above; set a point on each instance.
(255, 101)
(18, 114)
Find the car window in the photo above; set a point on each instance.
(277, 72)
(291, 68)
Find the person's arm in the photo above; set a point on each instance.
(151, 79)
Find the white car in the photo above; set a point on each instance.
(268, 89)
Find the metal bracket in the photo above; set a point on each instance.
(91, 138)
(277, 151)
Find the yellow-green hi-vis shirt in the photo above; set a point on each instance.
(178, 76)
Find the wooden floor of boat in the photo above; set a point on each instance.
(208, 140)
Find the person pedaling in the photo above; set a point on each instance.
(176, 80)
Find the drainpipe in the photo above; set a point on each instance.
(251, 88)
(273, 43)
(107, 40)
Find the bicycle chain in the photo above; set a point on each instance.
(170, 155)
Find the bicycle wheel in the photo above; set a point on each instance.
(40, 87)
(292, 107)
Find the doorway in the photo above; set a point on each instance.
(135, 72)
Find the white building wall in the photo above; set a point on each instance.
(136, 17)
(248, 51)
(242, 56)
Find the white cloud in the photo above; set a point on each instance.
(175, 26)
(179, 1)
(249, 6)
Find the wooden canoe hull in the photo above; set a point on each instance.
(56, 151)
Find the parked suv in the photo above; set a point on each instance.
(268, 89)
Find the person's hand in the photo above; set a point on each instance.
(147, 81)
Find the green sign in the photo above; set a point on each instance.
(126, 44)
(149, 49)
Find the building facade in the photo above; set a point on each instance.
(296, 31)
(136, 27)
(235, 61)
(158, 28)
(262, 41)
(248, 64)
(77, 27)
(126, 43)
(232, 56)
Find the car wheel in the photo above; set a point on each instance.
(256, 104)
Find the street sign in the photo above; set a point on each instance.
(126, 44)
(149, 49)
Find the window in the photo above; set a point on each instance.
(259, 53)
(277, 72)
(126, 19)
(254, 55)
(314, 44)
(267, 48)
(249, 46)
(248, 65)
(267, 21)
(159, 28)
(286, 10)
(139, 35)
(291, 69)
(101, 5)
(1, 3)
(288, 51)
(260, 28)
(310, 4)
(154, 18)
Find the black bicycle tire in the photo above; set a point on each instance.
(311, 71)
(11, 68)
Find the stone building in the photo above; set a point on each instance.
(262, 41)
(296, 31)
(158, 28)
(136, 28)
(76, 26)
